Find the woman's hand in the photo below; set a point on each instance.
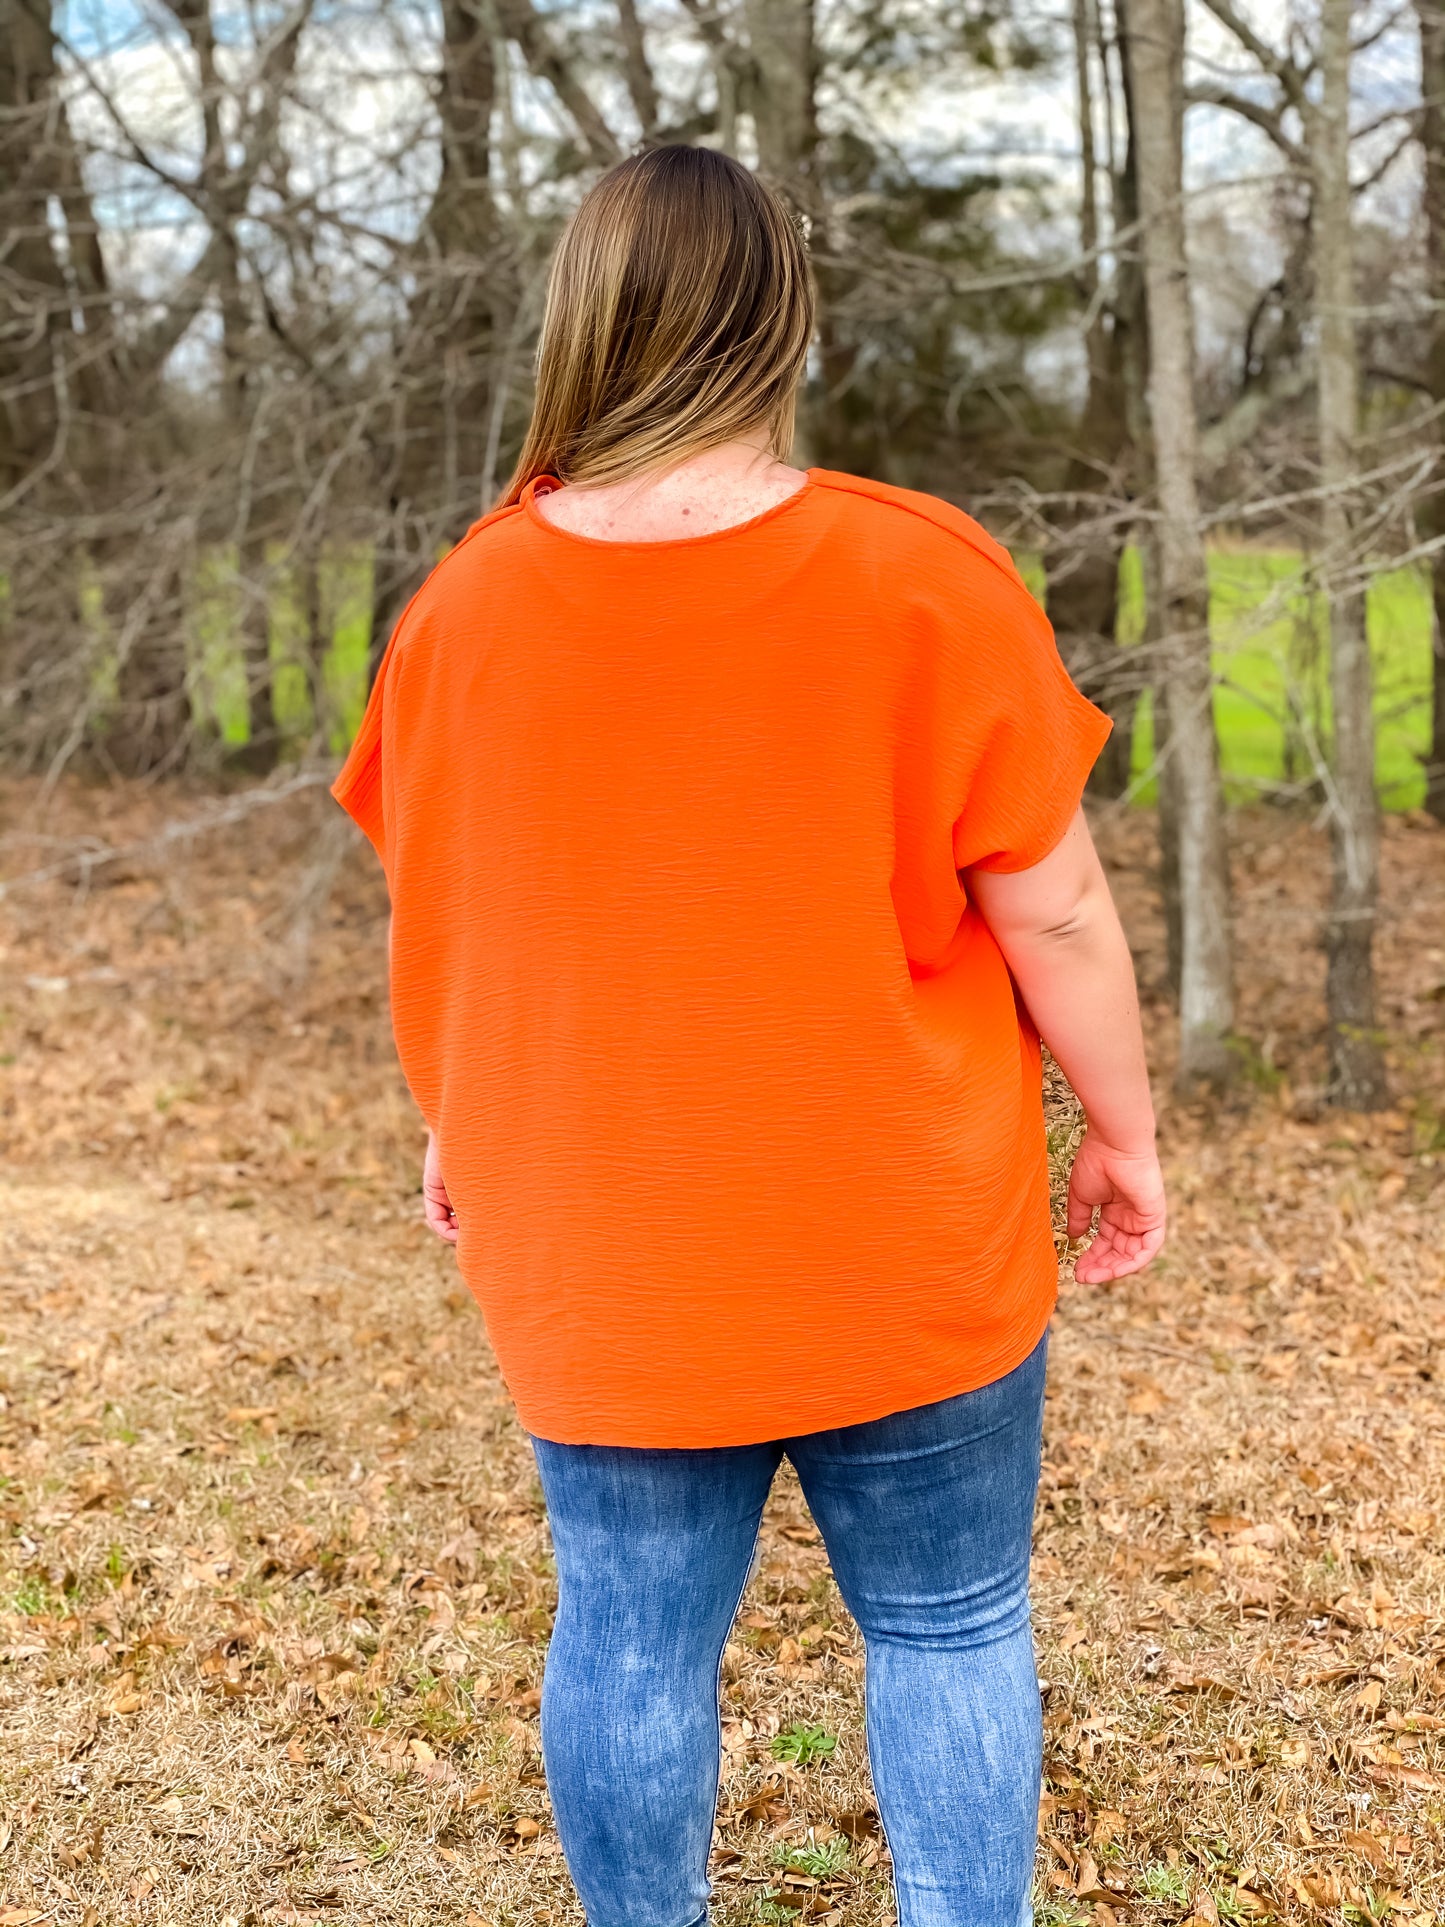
(436, 1205)
(1060, 935)
(1128, 1188)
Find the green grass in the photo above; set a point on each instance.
(1271, 659)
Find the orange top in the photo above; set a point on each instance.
(737, 1109)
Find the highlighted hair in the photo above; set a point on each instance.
(679, 312)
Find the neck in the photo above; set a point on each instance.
(715, 489)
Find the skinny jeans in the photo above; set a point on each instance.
(927, 1518)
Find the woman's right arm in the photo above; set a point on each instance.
(1060, 935)
(436, 1204)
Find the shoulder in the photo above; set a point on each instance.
(908, 516)
(450, 590)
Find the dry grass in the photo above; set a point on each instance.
(275, 1578)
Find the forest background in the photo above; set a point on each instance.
(1155, 291)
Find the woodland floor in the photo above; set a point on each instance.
(274, 1576)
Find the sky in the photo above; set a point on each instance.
(360, 137)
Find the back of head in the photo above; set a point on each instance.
(679, 312)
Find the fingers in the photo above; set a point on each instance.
(439, 1216)
(1116, 1253)
(436, 1205)
(1080, 1214)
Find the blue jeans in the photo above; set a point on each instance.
(927, 1517)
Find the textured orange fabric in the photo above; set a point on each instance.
(738, 1112)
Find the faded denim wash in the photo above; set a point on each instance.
(927, 1517)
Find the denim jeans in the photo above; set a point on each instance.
(927, 1518)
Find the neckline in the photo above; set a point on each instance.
(535, 515)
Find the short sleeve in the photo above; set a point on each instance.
(362, 786)
(359, 787)
(1036, 739)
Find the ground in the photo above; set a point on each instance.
(274, 1580)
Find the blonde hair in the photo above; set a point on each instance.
(679, 312)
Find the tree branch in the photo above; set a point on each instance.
(1269, 120)
(640, 84)
(1284, 70)
(523, 24)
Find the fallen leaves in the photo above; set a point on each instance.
(1394, 1773)
(124, 1699)
(284, 1563)
(1206, 1683)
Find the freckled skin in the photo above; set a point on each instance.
(714, 490)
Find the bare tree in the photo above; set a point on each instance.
(432, 455)
(1431, 510)
(1084, 560)
(55, 362)
(1206, 1002)
(1356, 1062)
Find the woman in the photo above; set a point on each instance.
(731, 819)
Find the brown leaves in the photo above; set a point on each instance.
(397, 1537)
(436, 1769)
(1108, 1826)
(1398, 1774)
(1369, 1848)
(1148, 1397)
(124, 1699)
(1205, 1683)
(762, 1807)
(1320, 1891)
(859, 1823)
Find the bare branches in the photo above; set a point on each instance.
(1292, 77)
(524, 25)
(1269, 120)
(271, 298)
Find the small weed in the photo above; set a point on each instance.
(1166, 1883)
(34, 1597)
(801, 1744)
(1377, 1908)
(1059, 1913)
(813, 1859)
(1254, 1066)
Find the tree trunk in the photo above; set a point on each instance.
(1206, 997)
(640, 84)
(1083, 594)
(1167, 780)
(47, 432)
(1357, 1067)
(780, 35)
(453, 341)
(1431, 511)
(783, 73)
